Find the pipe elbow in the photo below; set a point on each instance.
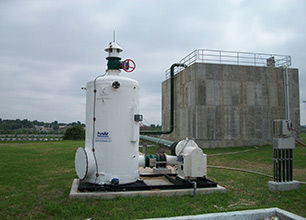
(178, 64)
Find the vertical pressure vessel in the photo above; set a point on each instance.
(112, 131)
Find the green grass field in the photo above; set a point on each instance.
(36, 178)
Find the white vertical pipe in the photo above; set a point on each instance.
(286, 92)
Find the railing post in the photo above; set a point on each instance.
(197, 55)
(254, 59)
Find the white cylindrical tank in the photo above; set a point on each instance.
(112, 131)
(111, 150)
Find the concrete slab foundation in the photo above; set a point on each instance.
(241, 215)
(283, 186)
(75, 194)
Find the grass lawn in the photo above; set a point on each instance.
(36, 178)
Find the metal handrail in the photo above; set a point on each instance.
(234, 58)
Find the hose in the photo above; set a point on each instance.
(238, 169)
(244, 170)
(236, 152)
(300, 142)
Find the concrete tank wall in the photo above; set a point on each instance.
(221, 105)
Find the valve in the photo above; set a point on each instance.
(128, 65)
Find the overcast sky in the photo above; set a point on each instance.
(50, 49)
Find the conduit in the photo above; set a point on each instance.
(238, 169)
(300, 142)
(157, 140)
(286, 91)
(236, 152)
(94, 126)
(171, 102)
(244, 170)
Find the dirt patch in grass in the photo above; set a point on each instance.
(31, 213)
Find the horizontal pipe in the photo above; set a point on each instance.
(171, 160)
(157, 140)
(142, 160)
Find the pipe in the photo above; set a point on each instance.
(142, 160)
(300, 142)
(243, 170)
(194, 188)
(170, 144)
(171, 102)
(238, 169)
(157, 140)
(287, 94)
(171, 160)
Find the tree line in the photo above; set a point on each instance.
(25, 126)
(71, 131)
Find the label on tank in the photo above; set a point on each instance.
(103, 136)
